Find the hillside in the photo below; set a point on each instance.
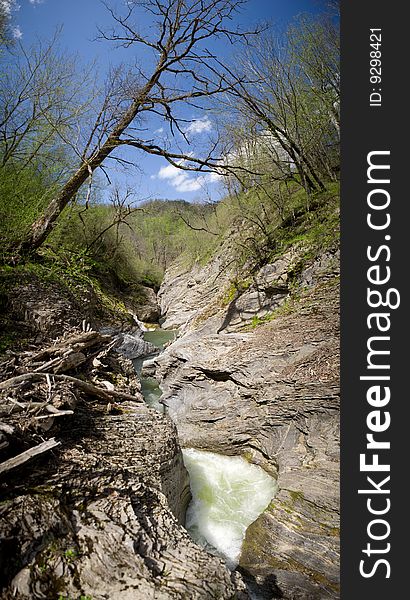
(252, 373)
(169, 369)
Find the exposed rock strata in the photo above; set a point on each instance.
(148, 311)
(100, 516)
(270, 394)
(185, 291)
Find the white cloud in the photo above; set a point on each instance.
(6, 6)
(214, 177)
(159, 130)
(34, 2)
(179, 179)
(17, 33)
(184, 181)
(199, 126)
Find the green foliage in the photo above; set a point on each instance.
(316, 225)
(24, 193)
(71, 554)
(286, 128)
(121, 246)
(236, 288)
(142, 245)
(42, 103)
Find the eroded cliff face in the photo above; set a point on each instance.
(257, 375)
(99, 517)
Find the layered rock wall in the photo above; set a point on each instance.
(259, 376)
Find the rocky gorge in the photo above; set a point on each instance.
(252, 373)
(101, 516)
(268, 392)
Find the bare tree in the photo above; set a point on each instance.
(183, 71)
(122, 205)
(41, 101)
(290, 108)
(315, 45)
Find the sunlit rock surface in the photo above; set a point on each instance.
(271, 393)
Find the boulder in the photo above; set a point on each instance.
(132, 346)
(149, 310)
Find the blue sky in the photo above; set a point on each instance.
(79, 20)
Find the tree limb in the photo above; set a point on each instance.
(22, 458)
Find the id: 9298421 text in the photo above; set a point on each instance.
(375, 67)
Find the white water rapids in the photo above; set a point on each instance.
(228, 494)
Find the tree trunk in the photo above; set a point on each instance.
(43, 226)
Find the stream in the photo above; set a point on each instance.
(228, 493)
(149, 385)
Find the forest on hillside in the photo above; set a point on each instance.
(62, 130)
(169, 354)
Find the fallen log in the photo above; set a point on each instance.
(22, 458)
(75, 342)
(51, 415)
(86, 387)
(71, 360)
(15, 407)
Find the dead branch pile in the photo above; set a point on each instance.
(42, 386)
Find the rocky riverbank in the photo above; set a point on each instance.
(100, 515)
(255, 373)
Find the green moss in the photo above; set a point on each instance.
(254, 548)
(229, 295)
(296, 495)
(332, 531)
(235, 289)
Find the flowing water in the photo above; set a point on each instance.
(228, 494)
(149, 385)
(159, 337)
(152, 393)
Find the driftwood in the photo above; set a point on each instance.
(16, 407)
(22, 458)
(71, 360)
(75, 342)
(57, 413)
(88, 388)
(42, 385)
